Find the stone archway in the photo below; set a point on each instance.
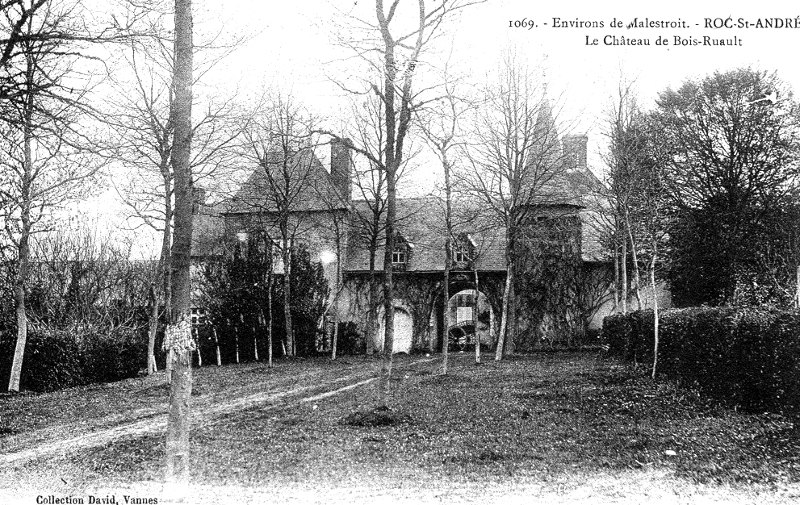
(403, 331)
(466, 323)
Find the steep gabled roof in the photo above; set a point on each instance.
(573, 187)
(306, 186)
(208, 228)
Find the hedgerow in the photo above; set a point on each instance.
(747, 357)
(57, 358)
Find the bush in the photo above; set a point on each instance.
(350, 340)
(52, 361)
(235, 291)
(114, 357)
(745, 357)
(57, 359)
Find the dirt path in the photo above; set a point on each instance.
(147, 421)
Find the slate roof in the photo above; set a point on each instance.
(310, 186)
(207, 230)
(420, 220)
(573, 187)
(421, 223)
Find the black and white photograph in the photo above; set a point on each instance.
(399, 252)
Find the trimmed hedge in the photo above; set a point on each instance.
(745, 357)
(58, 359)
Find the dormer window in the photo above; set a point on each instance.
(463, 250)
(399, 255)
(461, 253)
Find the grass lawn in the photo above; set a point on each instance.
(549, 428)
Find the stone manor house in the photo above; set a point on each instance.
(562, 275)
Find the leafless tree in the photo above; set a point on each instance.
(514, 161)
(442, 127)
(142, 120)
(177, 446)
(281, 145)
(623, 159)
(48, 156)
(392, 45)
(86, 281)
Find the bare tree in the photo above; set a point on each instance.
(47, 155)
(441, 126)
(369, 180)
(86, 281)
(392, 46)
(281, 145)
(181, 341)
(143, 123)
(623, 160)
(337, 206)
(514, 161)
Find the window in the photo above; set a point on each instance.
(464, 248)
(461, 254)
(399, 256)
(465, 300)
(198, 316)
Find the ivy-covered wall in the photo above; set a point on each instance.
(421, 294)
(549, 271)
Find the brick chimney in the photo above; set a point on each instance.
(575, 151)
(341, 165)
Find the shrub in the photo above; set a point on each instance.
(52, 361)
(350, 340)
(743, 356)
(57, 359)
(235, 291)
(114, 357)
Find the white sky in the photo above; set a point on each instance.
(290, 48)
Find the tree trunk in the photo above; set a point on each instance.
(624, 273)
(287, 297)
(338, 288)
(216, 344)
(181, 386)
(446, 295)
(448, 258)
(388, 285)
(477, 296)
(499, 352)
(635, 259)
(655, 314)
(153, 329)
(616, 285)
(255, 343)
(270, 280)
(196, 338)
(19, 301)
(335, 335)
(372, 326)
(23, 250)
(236, 338)
(797, 287)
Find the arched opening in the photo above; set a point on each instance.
(403, 331)
(471, 320)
